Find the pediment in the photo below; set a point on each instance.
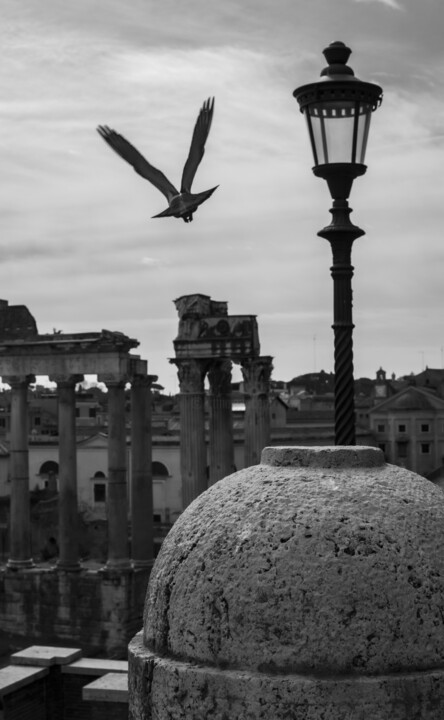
(99, 440)
(411, 399)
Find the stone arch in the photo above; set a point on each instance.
(99, 488)
(49, 466)
(49, 472)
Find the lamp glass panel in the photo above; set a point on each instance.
(365, 114)
(339, 131)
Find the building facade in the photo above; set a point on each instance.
(409, 428)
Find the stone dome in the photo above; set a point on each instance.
(319, 560)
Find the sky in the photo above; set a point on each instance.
(78, 245)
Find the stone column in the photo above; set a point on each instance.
(117, 501)
(142, 550)
(20, 555)
(221, 423)
(256, 372)
(193, 455)
(68, 505)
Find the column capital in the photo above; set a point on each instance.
(66, 380)
(142, 381)
(219, 376)
(191, 374)
(18, 380)
(114, 379)
(256, 372)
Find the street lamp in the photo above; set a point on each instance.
(338, 109)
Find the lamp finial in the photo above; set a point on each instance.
(337, 54)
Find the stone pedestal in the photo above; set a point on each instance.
(308, 587)
(193, 454)
(256, 372)
(221, 421)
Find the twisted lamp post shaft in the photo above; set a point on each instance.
(341, 233)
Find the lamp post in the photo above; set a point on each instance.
(338, 109)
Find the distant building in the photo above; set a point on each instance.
(409, 428)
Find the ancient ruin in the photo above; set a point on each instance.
(209, 341)
(65, 359)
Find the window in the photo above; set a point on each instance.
(92, 412)
(159, 470)
(425, 448)
(157, 517)
(402, 449)
(37, 420)
(425, 427)
(402, 428)
(381, 427)
(2, 422)
(381, 446)
(99, 492)
(49, 467)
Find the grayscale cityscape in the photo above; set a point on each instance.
(222, 445)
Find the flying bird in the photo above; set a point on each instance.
(180, 204)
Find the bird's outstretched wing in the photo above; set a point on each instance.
(132, 156)
(197, 148)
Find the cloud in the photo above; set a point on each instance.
(390, 3)
(77, 232)
(150, 261)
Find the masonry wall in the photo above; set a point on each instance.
(98, 611)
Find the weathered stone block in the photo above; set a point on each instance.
(309, 586)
